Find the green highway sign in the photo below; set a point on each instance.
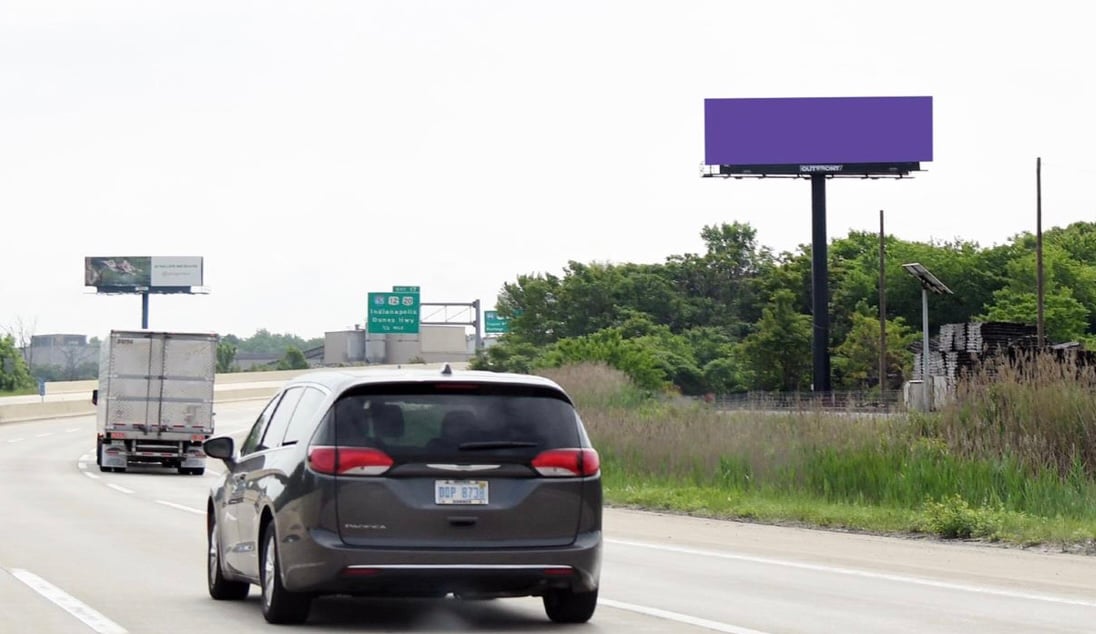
(393, 313)
(493, 324)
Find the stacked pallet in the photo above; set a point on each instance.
(959, 348)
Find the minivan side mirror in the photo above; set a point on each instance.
(95, 396)
(220, 447)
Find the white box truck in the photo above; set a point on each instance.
(154, 404)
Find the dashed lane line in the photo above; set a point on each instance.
(120, 489)
(77, 608)
(707, 624)
(181, 507)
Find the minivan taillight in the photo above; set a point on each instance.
(563, 463)
(348, 460)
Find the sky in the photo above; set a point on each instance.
(312, 152)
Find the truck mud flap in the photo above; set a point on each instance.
(112, 456)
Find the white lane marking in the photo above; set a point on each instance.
(93, 476)
(87, 458)
(82, 465)
(181, 507)
(71, 430)
(77, 608)
(48, 433)
(945, 585)
(119, 488)
(16, 440)
(680, 618)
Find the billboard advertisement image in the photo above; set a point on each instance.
(817, 131)
(133, 273)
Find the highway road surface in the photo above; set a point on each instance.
(83, 551)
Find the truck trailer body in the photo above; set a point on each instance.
(154, 404)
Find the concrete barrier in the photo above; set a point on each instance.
(18, 412)
(86, 386)
(52, 409)
(73, 398)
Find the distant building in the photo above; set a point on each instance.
(65, 350)
(433, 344)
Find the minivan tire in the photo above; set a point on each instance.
(280, 606)
(221, 588)
(568, 606)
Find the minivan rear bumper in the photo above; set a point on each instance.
(320, 563)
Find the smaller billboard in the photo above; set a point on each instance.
(142, 273)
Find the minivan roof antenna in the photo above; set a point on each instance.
(447, 370)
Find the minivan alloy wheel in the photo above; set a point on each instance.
(279, 605)
(219, 587)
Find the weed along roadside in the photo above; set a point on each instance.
(1011, 461)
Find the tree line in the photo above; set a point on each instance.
(19, 371)
(738, 316)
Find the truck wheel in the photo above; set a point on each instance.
(99, 453)
(279, 605)
(191, 471)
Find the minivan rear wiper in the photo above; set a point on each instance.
(495, 444)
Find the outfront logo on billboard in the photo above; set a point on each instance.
(821, 168)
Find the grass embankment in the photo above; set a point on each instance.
(1012, 460)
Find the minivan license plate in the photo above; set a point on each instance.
(460, 491)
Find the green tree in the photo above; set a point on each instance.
(508, 355)
(532, 304)
(1070, 289)
(293, 360)
(266, 342)
(856, 360)
(226, 357)
(777, 354)
(13, 370)
(1066, 318)
(638, 360)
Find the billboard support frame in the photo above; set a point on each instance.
(142, 279)
(798, 156)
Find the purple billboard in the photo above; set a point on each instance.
(818, 132)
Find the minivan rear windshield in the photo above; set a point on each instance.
(452, 420)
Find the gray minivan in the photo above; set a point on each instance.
(409, 483)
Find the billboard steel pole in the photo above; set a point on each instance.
(144, 310)
(820, 334)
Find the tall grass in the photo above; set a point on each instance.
(1005, 446)
(1039, 409)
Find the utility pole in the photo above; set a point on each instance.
(882, 313)
(1040, 328)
